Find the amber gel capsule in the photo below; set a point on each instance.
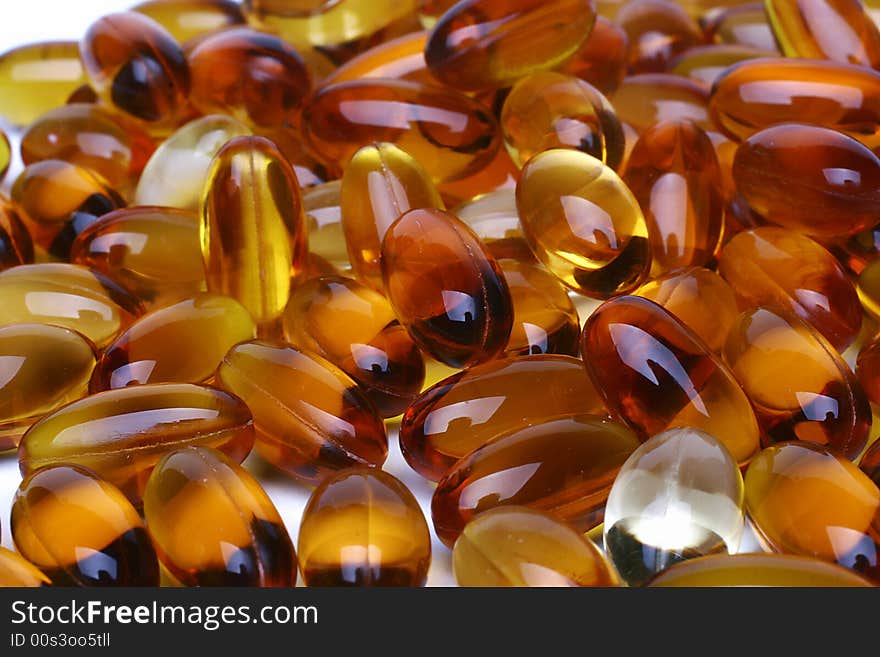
(446, 288)
(17, 571)
(252, 232)
(81, 531)
(363, 527)
(214, 525)
(870, 462)
(868, 369)
(16, 244)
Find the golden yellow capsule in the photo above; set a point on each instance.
(322, 207)
(868, 288)
(187, 19)
(18, 572)
(495, 220)
(253, 229)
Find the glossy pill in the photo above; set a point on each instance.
(479, 44)
(252, 232)
(181, 343)
(495, 220)
(601, 59)
(380, 183)
(805, 500)
(868, 369)
(214, 525)
(518, 546)
(16, 245)
(707, 63)
(354, 328)
(16, 571)
(402, 58)
(771, 266)
(455, 304)
(564, 466)
(658, 31)
(745, 24)
(870, 462)
(868, 289)
(5, 154)
(311, 418)
(81, 531)
(466, 410)
(363, 528)
(583, 223)
(450, 134)
(323, 214)
(656, 374)
(646, 99)
(42, 367)
(678, 496)
(122, 434)
(188, 19)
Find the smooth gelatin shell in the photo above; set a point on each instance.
(214, 525)
(81, 531)
(644, 100)
(478, 44)
(868, 370)
(495, 220)
(402, 58)
(122, 434)
(677, 497)
(521, 547)
(707, 63)
(187, 19)
(16, 245)
(870, 462)
(868, 289)
(363, 528)
(321, 205)
(601, 58)
(657, 30)
(656, 374)
(311, 418)
(16, 571)
(583, 223)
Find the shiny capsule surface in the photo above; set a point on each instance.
(181, 343)
(601, 59)
(187, 19)
(253, 230)
(311, 418)
(745, 24)
(868, 289)
(450, 134)
(868, 369)
(214, 525)
(354, 328)
(81, 531)
(699, 298)
(495, 220)
(455, 304)
(810, 179)
(467, 409)
(5, 154)
(656, 374)
(564, 466)
(646, 99)
(784, 570)
(706, 63)
(402, 58)
(38, 77)
(363, 528)
(583, 223)
(674, 174)
(799, 385)
(42, 367)
(152, 251)
(479, 44)
(137, 66)
(658, 31)
(771, 266)
(380, 183)
(122, 434)
(518, 546)
(16, 244)
(870, 462)
(805, 500)
(323, 214)
(16, 571)
(551, 110)
(678, 496)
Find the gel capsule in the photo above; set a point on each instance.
(772, 266)
(518, 546)
(450, 134)
(137, 66)
(253, 76)
(805, 500)
(81, 531)
(495, 220)
(152, 251)
(699, 298)
(252, 232)
(674, 174)
(763, 570)
(122, 434)
(323, 213)
(363, 527)
(354, 328)
(564, 466)
(466, 410)
(188, 19)
(42, 367)
(800, 386)
(656, 374)
(707, 63)
(455, 304)
(601, 59)
(551, 110)
(16, 571)
(868, 289)
(16, 245)
(5, 154)
(214, 525)
(657, 30)
(479, 44)
(677, 497)
(181, 343)
(402, 58)
(810, 179)
(66, 295)
(381, 182)
(647, 99)
(311, 418)
(868, 369)
(583, 223)
(745, 24)
(870, 462)
(38, 77)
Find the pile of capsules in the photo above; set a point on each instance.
(604, 268)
